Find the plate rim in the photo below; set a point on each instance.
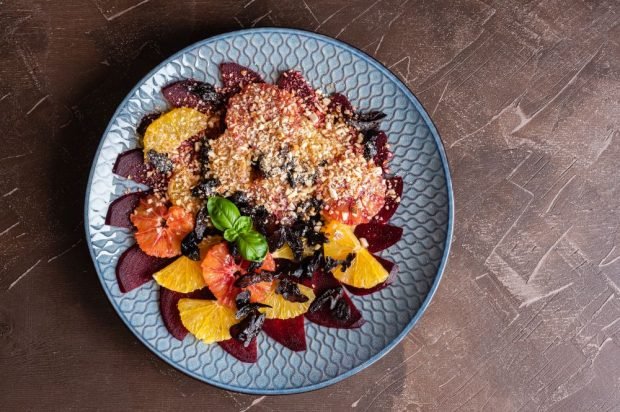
(444, 164)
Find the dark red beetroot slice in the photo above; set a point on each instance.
(235, 76)
(129, 164)
(392, 200)
(247, 354)
(135, 268)
(288, 332)
(120, 210)
(168, 301)
(383, 152)
(392, 269)
(340, 102)
(294, 81)
(324, 316)
(378, 236)
(186, 93)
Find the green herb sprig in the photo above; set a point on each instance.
(226, 218)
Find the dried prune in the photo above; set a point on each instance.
(277, 238)
(346, 263)
(290, 291)
(252, 278)
(366, 121)
(242, 298)
(248, 328)
(159, 161)
(245, 310)
(189, 246)
(205, 189)
(331, 296)
(342, 311)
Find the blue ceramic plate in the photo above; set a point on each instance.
(426, 213)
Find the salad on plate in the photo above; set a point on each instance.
(264, 206)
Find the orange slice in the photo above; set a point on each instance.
(208, 320)
(171, 129)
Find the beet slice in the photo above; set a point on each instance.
(324, 316)
(168, 301)
(392, 200)
(120, 210)
(235, 76)
(146, 122)
(288, 332)
(383, 152)
(340, 103)
(192, 93)
(130, 164)
(247, 354)
(135, 268)
(295, 82)
(379, 236)
(392, 269)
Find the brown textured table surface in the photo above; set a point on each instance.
(526, 96)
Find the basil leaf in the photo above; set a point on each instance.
(252, 246)
(231, 234)
(223, 212)
(243, 224)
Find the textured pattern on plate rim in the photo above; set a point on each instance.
(426, 213)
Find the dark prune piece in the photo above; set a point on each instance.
(296, 244)
(207, 93)
(331, 296)
(342, 311)
(277, 239)
(329, 263)
(366, 122)
(240, 199)
(189, 246)
(233, 249)
(159, 161)
(245, 310)
(290, 291)
(370, 149)
(146, 122)
(315, 238)
(248, 328)
(372, 116)
(346, 263)
(242, 299)
(292, 177)
(253, 278)
(205, 189)
(202, 223)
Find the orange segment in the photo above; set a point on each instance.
(340, 240)
(183, 275)
(282, 308)
(208, 320)
(365, 271)
(171, 129)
